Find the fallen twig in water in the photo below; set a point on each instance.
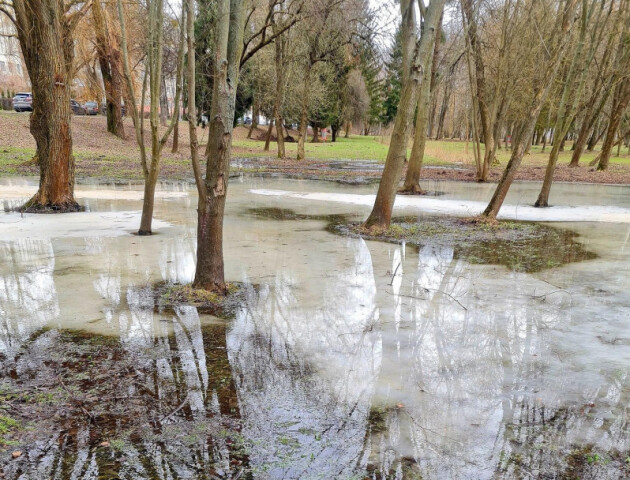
(176, 410)
(75, 399)
(394, 275)
(429, 290)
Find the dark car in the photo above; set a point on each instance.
(123, 109)
(23, 102)
(76, 107)
(91, 108)
(247, 121)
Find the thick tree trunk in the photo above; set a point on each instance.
(209, 274)
(148, 200)
(414, 168)
(46, 39)
(315, 138)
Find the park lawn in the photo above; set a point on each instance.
(357, 147)
(98, 154)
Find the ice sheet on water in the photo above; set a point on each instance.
(560, 213)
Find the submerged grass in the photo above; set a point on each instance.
(520, 246)
(174, 295)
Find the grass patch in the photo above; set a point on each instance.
(7, 425)
(208, 302)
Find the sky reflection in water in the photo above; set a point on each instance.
(348, 359)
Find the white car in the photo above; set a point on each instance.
(23, 102)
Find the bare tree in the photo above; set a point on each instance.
(412, 178)
(150, 164)
(382, 211)
(552, 48)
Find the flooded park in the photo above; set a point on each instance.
(340, 357)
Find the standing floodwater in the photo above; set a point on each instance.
(346, 359)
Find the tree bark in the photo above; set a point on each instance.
(45, 35)
(109, 59)
(209, 274)
(622, 98)
(268, 136)
(383, 205)
(279, 98)
(303, 129)
(427, 81)
(482, 95)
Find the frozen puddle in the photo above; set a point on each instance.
(16, 227)
(582, 213)
(10, 192)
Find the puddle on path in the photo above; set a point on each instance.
(351, 359)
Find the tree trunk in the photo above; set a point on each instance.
(45, 35)
(623, 99)
(281, 149)
(443, 109)
(279, 99)
(209, 274)
(346, 129)
(254, 123)
(427, 81)
(315, 134)
(303, 129)
(176, 135)
(156, 82)
(565, 108)
(108, 54)
(482, 96)
(268, 136)
(523, 142)
(383, 205)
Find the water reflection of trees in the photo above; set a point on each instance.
(305, 357)
(393, 363)
(28, 299)
(474, 381)
(165, 404)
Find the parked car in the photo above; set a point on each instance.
(247, 121)
(23, 102)
(91, 108)
(76, 107)
(123, 109)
